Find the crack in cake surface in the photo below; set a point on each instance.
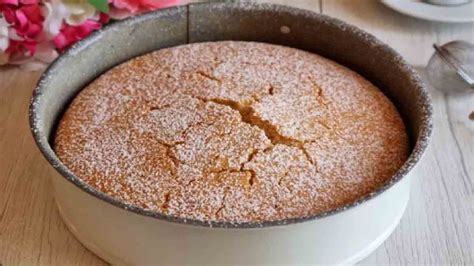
(208, 76)
(247, 114)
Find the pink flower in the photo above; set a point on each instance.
(17, 2)
(123, 8)
(24, 16)
(20, 48)
(21, 54)
(33, 31)
(71, 34)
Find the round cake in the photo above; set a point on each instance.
(232, 131)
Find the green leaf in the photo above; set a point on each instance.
(101, 5)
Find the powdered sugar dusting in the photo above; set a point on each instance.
(232, 131)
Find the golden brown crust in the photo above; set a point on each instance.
(232, 131)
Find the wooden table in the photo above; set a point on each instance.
(438, 227)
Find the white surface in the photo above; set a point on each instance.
(418, 9)
(125, 238)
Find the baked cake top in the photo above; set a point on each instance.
(232, 131)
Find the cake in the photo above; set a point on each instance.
(232, 131)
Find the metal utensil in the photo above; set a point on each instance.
(451, 68)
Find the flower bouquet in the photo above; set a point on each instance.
(34, 32)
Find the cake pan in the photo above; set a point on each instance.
(128, 235)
